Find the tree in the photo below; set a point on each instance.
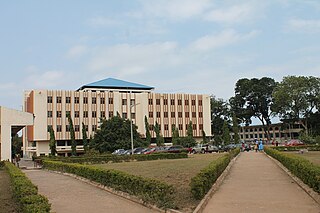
(226, 133)
(219, 112)
(16, 145)
(148, 135)
(114, 133)
(189, 141)
(204, 137)
(175, 135)
(85, 138)
(235, 128)
(72, 136)
(52, 142)
(296, 98)
(159, 138)
(253, 98)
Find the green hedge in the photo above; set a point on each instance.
(308, 172)
(117, 158)
(149, 190)
(1, 164)
(297, 148)
(25, 193)
(202, 182)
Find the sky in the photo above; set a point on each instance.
(176, 46)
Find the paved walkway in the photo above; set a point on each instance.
(256, 184)
(67, 194)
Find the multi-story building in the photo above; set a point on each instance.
(104, 99)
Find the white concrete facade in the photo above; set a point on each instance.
(11, 121)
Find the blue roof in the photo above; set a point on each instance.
(112, 83)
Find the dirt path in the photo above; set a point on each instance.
(67, 194)
(7, 204)
(256, 184)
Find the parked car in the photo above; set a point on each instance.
(294, 142)
(176, 149)
(203, 148)
(118, 152)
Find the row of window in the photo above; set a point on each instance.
(76, 128)
(77, 100)
(77, 114)
(172, 102)
(252, 136)
(256, 129)
(180, 126)
(173, 114)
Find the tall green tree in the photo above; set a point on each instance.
(159, 137)
(175, 135)
(204, 137)
(297, 98)
(72, 136)
(52, 142)
(148, 135)
(253, 98)
(235, 128)
(114, 133)
(85, 138)
(188, 141)
(219, 112)
(226, 133)
(16, 144)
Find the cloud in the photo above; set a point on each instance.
(221, 39)
(76, 51)
(176, 9)
(101, 21)
(45, 80)
(304, 25)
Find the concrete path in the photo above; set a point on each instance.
(256, 184)
(67, 194)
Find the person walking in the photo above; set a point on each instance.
(260, 146)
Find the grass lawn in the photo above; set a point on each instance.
(7, 203)
(313, 156)
(177, 172)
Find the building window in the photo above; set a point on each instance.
(193, 102)
(200, 114)
(67, 128)
(68, 100)
(76, 100)
(85, 100)
(186, 102)
(49, 114)
(151, 127)
(187, 114)
(110, 100)
(165, 101)
(200, 102)
(172, 101)
(173, 114)
(76, 128)
(124, 115)
(94, 114)
(94, 128)
(166, 127)
(102, 114)
(150, 101)
(150, 114)
(194, 126)
(124, 101)
(110, 114)
(85, 114)
(59, 128)
(85, 127)
(102, 101)
(180, 114)
(67, 113)
(49, 127)
(194, 114)
(180, 126)
(49, 99)
(158, 114)
(94, 100)
(133, 115)
(59, 99)
(58, 114)
(158, 101)
(200, 127)
(76, 114)
(179, 102)
(277, 134)
(165, 114)
(132, 102)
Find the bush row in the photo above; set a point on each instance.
(1, 164)
(297, 148)
(117, 158)
(149, 190)
(300, 167)
(25, 193)
(202, 182)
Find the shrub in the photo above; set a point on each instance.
(202, 182)
(297, 148)
(149, 190)
(25, 193)
(300, 167)
(1, 164)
